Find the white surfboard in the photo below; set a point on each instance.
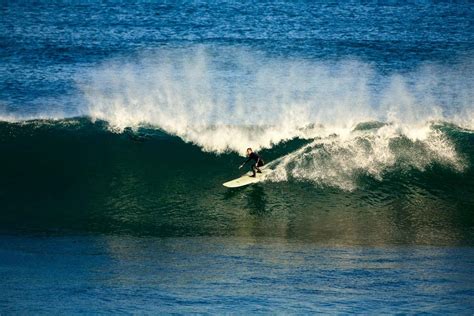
(246, 179)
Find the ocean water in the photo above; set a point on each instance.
(119, 122)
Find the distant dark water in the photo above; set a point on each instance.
(47, 45)
(119, 122)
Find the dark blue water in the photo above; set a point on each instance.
(120, 121)
(46, 46)
(110, 274)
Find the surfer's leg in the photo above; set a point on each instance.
(254, 169)
(260, 163)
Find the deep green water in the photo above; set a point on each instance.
(76, 176)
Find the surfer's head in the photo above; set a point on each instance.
(249, 151)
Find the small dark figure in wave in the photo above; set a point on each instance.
(255, 166)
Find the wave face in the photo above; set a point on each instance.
(77, 174)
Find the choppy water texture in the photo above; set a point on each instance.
(225, 275)
(120, 122)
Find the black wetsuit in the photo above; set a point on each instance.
(258, 162)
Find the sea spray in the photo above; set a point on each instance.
(211, 98)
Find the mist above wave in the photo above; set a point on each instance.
(185, 91)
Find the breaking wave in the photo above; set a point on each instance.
(352, 118)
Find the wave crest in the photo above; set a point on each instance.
(210, 98)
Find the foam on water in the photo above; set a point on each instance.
(339, 160)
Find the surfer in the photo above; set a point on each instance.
(255, 166)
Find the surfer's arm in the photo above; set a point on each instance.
(256, 160)
(245, 162)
